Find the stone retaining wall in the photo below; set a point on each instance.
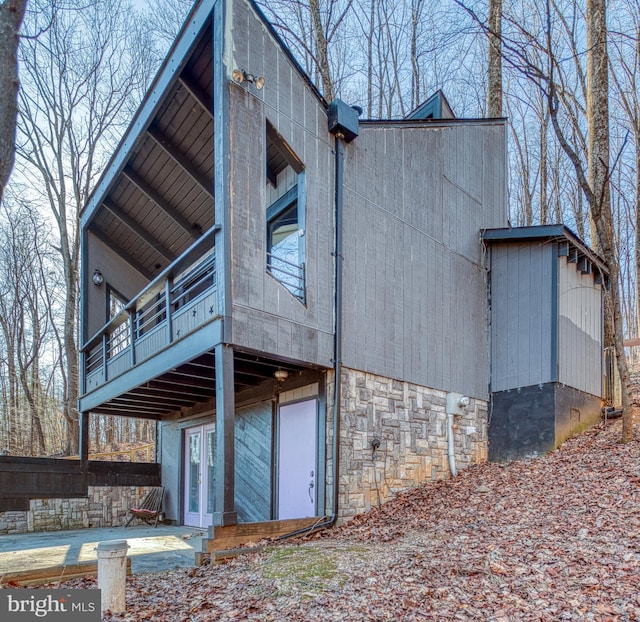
(104, 507)
(411, 424)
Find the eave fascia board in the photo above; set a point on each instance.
(164, 81)
(543, 232)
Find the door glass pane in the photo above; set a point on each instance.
(211, 441)
(194, 473)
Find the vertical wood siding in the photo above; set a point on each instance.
(415, 295)
(522, 315)
(579, 329)
(266, 316)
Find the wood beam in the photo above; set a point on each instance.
(180, 159)
(156, 198)
(118, 412)
(203, 99)
(139, 230)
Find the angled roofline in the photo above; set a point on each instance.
(166, 77)
(546, 233)
(287, 52)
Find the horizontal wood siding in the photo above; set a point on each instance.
(102, 473)
(415, 304)
(266, 316)
(579, 329)
(253, 462)
(522, 315)
(42, 478)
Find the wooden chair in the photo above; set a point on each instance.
(150, 508)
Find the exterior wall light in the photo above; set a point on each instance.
(97, 278)
(281, 375)
(240, 76)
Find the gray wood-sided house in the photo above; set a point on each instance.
(249, 244)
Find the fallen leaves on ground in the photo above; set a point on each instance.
(550, 538)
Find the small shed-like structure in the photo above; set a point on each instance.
(546, 338)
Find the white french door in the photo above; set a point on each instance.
(199, 456)
(297, 459)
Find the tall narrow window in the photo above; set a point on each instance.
(119, 339)
(285, 215)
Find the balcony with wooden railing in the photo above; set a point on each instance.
(177, 303)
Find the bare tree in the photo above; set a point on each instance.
(11, 16)
(80, 78)
(494, 63)
(25, 321)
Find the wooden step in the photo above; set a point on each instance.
(54, 573)
(231, 536)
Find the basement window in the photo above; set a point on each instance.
(285, 215)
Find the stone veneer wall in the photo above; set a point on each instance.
(411, 423)
(104, 507)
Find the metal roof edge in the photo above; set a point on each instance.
(543, 232)
(430, 122)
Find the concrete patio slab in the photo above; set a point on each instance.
(152, 549)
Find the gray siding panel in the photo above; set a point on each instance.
(521, 315)
(260, 303)
(253, 442)
(579, 329)
(415, 296)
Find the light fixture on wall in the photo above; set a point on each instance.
(240, 76)
(281, 375)
(97, 278)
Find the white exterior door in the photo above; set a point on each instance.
(199, 456)
(297, 460)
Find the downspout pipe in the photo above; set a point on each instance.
(343, 124)
(450, 449)
(337, 344)
(337, 339)
(455, 405)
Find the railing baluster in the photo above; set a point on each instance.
(105, 355)
(168, 284)
(132, 336)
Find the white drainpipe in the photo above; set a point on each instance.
(456, 403)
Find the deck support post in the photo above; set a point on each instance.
(224, 499)
(83, 450)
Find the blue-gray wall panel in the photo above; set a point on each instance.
(253, 441)
(521, 315)
(579, 329)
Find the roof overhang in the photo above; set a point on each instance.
(571, 245)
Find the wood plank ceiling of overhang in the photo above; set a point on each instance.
(162, 201)
(192, 385)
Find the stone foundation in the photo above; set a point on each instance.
(104, 507)
(410, 423)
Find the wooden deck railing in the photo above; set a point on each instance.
(178, 301)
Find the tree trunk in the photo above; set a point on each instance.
(494, 64)
(599, 180)
(11, 16)
(322, 54)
